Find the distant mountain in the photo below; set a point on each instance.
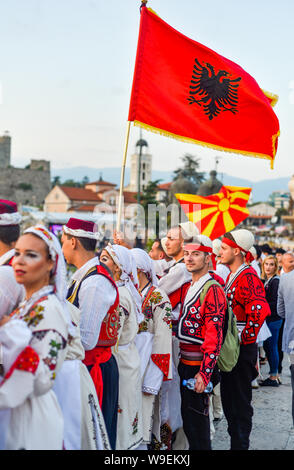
(261, 190)
(108, 174)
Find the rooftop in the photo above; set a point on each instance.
(79, 194)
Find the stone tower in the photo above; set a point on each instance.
(5, 150)
(146, 166)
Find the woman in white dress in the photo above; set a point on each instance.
(156, 354)
(84, 426)
(129, 427)
(33, 342)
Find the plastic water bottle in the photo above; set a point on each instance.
(190, 384)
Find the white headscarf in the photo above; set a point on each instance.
(59, 270)
(124, 260)
(145, 264)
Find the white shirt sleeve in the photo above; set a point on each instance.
(11, 293)
(223, 271)
(175, 278)
(96, 296)
(153, 379)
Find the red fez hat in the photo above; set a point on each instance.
(8, 213)
(81, 228)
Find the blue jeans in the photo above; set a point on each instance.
(271, 346)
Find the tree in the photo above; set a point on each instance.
(280, 212)
(190, 170)
(147, 197)
(85, 180)
(72, 183)
(55, 181)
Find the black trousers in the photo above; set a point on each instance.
(195, 412)
(236, 396)
(109, 406)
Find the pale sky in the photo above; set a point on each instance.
(67, 67)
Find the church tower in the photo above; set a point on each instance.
(141, 164)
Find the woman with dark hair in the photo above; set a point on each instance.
(33, 340)
(271, 284)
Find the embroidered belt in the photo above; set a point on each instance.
(191, 358)
(190, 363)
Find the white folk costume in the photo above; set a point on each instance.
(94, 292)
(11, 293)
(161, 265)
(31, 359)
(84, 423)
(156, 308)
(174, 283)
(130, 421)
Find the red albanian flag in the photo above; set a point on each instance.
(219, 213)
(185, 90)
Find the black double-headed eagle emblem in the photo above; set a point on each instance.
(215, 92)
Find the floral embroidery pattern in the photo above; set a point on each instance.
(143, 326)
(148, 312)
(155, 298)
(51, 359)
(167, 316)
(33, 317)
(135, 424)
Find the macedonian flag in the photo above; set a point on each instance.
(185, 90)
(219, 213)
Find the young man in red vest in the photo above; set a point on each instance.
(246, 296)
(200, 333)
(94, 292)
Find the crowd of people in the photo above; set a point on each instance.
(103, 363)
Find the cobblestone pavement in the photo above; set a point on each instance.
(272, 421)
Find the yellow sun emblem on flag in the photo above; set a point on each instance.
(219, 213)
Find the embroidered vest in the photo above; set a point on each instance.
(177, 297)
(191, 322)
(110, 324)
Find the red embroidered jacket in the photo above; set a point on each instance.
(246, 296)
(203, 325)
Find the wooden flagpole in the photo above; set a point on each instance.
(122, 177)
